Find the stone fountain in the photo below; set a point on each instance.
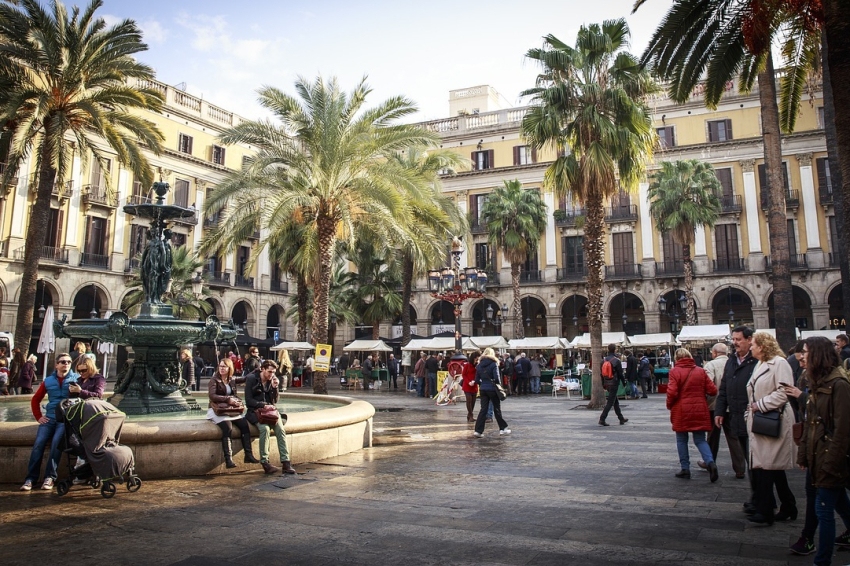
(150, 382)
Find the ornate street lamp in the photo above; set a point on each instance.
(676, 310)
(454, 285)
(731, 313)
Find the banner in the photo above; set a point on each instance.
(323, 357)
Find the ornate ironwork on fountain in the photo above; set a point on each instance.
(151, 382)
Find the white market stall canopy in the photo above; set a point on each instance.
(772, 331)
(538, 343)
(704, 333)
(831, 334)
(583, 341)
(416, 344)
(649, 340)
(446, 343)
(367, 346)
(495, 342)
(292, 346)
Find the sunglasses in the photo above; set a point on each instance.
(63, 362)
(82, 370)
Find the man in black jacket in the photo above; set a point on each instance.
(252, 361)
(732, 399)
(631, 373)
(611, 385)
(432, 366)
(261, 390)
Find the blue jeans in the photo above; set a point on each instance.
(633, 385)
(420, 387)
(535, 384)
(52, 432)
(699, 442)
(411, 380)
(828, 501)
(432, 383)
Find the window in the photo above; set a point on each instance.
(821, 120)
(184, 144)
(666, 137)
(137, 239)
(763, 178)
(476, 205)
(243, 254)
(97, 232)
(53, 237)
(824, 178)
(572, 253)
(673, 250)
(531, 265)
(833, 234)
(484, 259)
(725, 178)
(181, 193)
(792, 239)
(218, 155)
(624, 253)
(726, 241)
(482, 160)
(524, 155)
(720, 130)
(246, 162)
(98, 175)
(178, 240)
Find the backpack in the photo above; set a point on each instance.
(607, 369)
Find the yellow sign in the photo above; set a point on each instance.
(323, 357)
(559, 360)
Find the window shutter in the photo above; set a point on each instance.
(490, 159)
(792, 238)
(725, 178)
(534, 155)
(473, 207)
(516, 154)
(712, 131)
(785, 176)
(762, 178)
(728, 130)
(824, 180)
(474, 160)
(105, 246)
(60, 217)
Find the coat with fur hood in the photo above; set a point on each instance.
(487, 373)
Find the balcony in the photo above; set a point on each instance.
(242, 281)
(792, 199)
(574, 273)
(95, 195)
(138, 199)
(13, 182)
(796, 262)
(826, 196)
(131, 264)
(279, 287)
(94, 260)
(570, 219)
(727, 265)
(493, 278)
(255, 235)
(478, 226)
(531, 276)
(668, 268)
(63, 190)
(731, 204)
(188, 221)
(212, 221)
(218, 278)
(621, 213)
(624, 271)
(50, 253)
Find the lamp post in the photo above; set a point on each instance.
(93, 313)
(731, 313)
(454, 285)
(676, 310)
(42, 309)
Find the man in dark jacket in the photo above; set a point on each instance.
(432, 366)
(261, 390)
(842, 345)
(200, 365)
(611, 384)
(732, 399)
(645, 374)
(252, 361)
(523, 373)
(392, 367)
(631, 373)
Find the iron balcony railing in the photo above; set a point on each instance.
(731, 204)
(670, 267)
(280, 286)
(63, 190)
(530, 276)
(93, 194)
(834, 260)
(571, 218)
(574, 273)
(493, 278)
(621, 213)
(792, 199)
(624, 271)
(131, 264)
(138, 199)
(795, 261)
(218, 278)
(242, 281)
(826, 197)
(478, 226)
(211, 221)
(49, 253)
(94, 260)
(728, 264)
(190, 221)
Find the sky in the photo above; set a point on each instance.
(225, 50)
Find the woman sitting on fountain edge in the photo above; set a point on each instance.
(222, 389)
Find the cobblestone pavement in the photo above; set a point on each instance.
(559, 490)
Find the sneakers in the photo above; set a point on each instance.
(843, 539)
(603, 423)
(48, 484)
(803, 547)
(27, 486)
(504, 432)
(477, 434)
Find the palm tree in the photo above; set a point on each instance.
(324, 161)
(721, 40)
(65, 76)
(338, 302)
(185, 267)
(516, 218)
(684, 195)
(588, 105)
(375, 285)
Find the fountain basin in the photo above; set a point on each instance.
(167, 448)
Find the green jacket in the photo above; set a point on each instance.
(826, 438)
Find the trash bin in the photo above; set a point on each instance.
(585, 385)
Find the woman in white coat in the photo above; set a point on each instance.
(771, 456)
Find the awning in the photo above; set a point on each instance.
(293, 346)
(704, 333)
(368, 346)
(447, 344)
(648, 340)
(583, 341)
(416, 344)
(538, 343)
(495, 342)
(831, 334)
(772, 331)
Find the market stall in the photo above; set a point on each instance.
(369, 346)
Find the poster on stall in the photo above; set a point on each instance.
(323, 357)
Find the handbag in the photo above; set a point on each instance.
(500, 391)
(769, 423)
(797, 432)
(228, 410)
(267, 415)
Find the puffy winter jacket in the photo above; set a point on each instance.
(487, 374)
(686, 397)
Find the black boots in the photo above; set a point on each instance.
(246, 448)
(287, 468)
(228, 452)
(269, 469)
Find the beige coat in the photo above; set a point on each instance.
(715, 369)
(763, 388)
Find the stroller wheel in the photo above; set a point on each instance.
(62, 488)
(133, 484)
(94, 482)
(108, 490)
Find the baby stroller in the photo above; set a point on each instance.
(92, 431)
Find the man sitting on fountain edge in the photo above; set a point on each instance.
(260, 390)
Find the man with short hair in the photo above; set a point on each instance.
(200, 365)
(523, 372)
(842, 346)
(611, 384)
(420, 374)
(432, 366)
(366, 369)
(252, 361)
(732, 398)
(715, 369)
(261, 390)
(645, 374)
(392, 367)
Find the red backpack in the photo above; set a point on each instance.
(607, 369)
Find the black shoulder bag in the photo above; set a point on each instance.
(769, 423)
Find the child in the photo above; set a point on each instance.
(4, 377)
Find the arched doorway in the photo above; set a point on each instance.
(625, 312)
(442, 317)
(486, 322)
(533, 317)
(673, 311)
(802, 309)
(242, 316)
(216, 307)
(574, 317)
(733, 307)
(397, 330)
(836, 309)
(88, 303)
(274, 323)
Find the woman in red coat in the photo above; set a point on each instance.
(470, 391)
(686, 390)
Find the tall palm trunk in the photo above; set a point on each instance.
(406, 293)
(519, 325)
(327, 234)
(688, 268)
(302, 297)
(594, 252)
(36, 234)
(376, 330)
(836, 79)
(783, 303)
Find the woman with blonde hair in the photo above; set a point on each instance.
(91, 383)
(486, 377)
(284, 363)
(688, 384)
(770, 455)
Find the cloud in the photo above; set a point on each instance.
(153, 31)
